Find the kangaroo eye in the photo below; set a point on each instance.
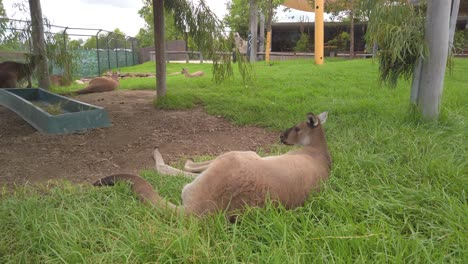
(297, 129)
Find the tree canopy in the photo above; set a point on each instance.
(116, 40)
(236, 18)
(350, 11)
(398, 29)
(145, 35)
(414, 42)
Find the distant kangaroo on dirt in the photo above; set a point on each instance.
(236, 179)
(191, 75)
(12, 72)
(101, 84)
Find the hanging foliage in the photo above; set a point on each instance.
(60, 54)
(207, 32)
(398, 29)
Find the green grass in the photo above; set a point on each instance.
(397, 191)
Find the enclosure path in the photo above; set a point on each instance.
(126, 147)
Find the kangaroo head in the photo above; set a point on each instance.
(184, 70)
(304, 133)
(115, 75)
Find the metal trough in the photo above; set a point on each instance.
(51, 113)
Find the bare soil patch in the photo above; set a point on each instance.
(126, 147)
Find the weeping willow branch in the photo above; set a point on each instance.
(207, 31)
(398, 29)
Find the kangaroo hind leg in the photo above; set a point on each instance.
(196, 167)
(162, 168)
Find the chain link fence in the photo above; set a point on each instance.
(87, 52)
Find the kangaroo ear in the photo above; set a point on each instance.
(323, 117)
(312, 120)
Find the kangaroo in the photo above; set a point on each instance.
(8, 79)
(101, 84)
(12, 72)
(59, 80)
(191, 75)
(236, 179)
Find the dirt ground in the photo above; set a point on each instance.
(126, 147)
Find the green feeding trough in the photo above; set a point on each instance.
(50, 113)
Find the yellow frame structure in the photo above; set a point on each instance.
(319, 28)
(303, 5)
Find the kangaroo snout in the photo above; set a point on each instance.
(284, 136)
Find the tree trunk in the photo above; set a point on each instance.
(453, 21)
(351, 34)
(261, 47)
(268, 41)
(466, 35)
(159, 47)
(433, 67)
(39, 47)
(416, 82)
(253, 30)
(375, 49)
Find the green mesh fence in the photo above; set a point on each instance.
(86, 64)
(106, 49)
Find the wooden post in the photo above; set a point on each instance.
(319, 32)
(268, 47)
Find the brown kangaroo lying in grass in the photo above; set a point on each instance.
(191, 75)
(101, 84)
(236, 179)
(12, 72)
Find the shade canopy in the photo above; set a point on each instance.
(302, 5)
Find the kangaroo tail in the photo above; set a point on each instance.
(84, 91)
(143, 190)
(81, 91)
(67, 93)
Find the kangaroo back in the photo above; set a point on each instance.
(191, 75)
(14, 72)
(101, 84)
(7, 80)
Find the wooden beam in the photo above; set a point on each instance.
(268, 47)
(319, 28)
